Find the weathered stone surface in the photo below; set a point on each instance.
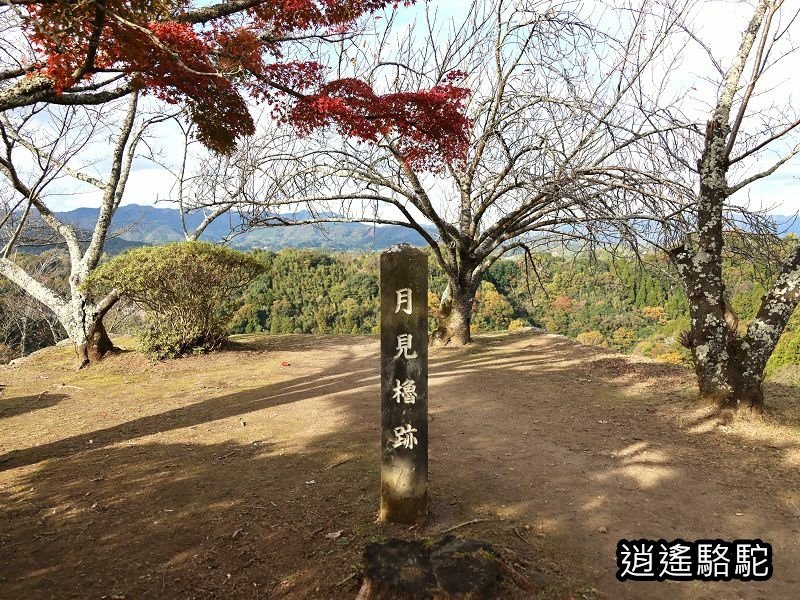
(449, 568)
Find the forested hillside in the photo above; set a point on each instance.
(617, 303)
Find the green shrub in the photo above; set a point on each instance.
(787, 352)
(517, 325)
(187, 290)
(491, 312)
(623, 339)
(591, 338)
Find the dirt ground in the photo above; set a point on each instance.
(238, 476)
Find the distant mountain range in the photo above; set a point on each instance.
(136, 225)
(788, 224)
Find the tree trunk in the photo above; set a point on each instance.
(84, 324)
(764, 332)
(455, 316)
(710, 336)
(729, 371)
(747, 382)
(729, 379)
(93, 346)
(712, 375)
(729, 366)
(713, 343)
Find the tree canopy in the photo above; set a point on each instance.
(553, 147)
(64, 63)
(210, 58)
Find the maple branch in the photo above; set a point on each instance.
(283, 88)
(157, 42)
(14, 73)
(94, 40)
(39, 88)
(204, 14)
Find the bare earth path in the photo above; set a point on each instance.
(233, 476)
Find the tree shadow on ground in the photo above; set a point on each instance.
(212, 409)
(11, 407)
(186, 521)
(531, 448)
(584, 462)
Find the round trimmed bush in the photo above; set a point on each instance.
(187, 290)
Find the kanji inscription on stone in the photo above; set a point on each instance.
(404, 385)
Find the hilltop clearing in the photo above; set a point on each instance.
(254, 473)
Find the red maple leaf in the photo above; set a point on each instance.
(209, 64)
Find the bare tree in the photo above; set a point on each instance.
(33, 157)
(25, 324)
(211, 184)
(747, 138)
(86, 56)
(558, 112)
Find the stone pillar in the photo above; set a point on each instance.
(404, 385)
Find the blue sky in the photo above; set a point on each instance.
(720, 24)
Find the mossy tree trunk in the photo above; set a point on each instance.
(730, 366)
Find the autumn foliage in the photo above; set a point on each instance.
(211, 57)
